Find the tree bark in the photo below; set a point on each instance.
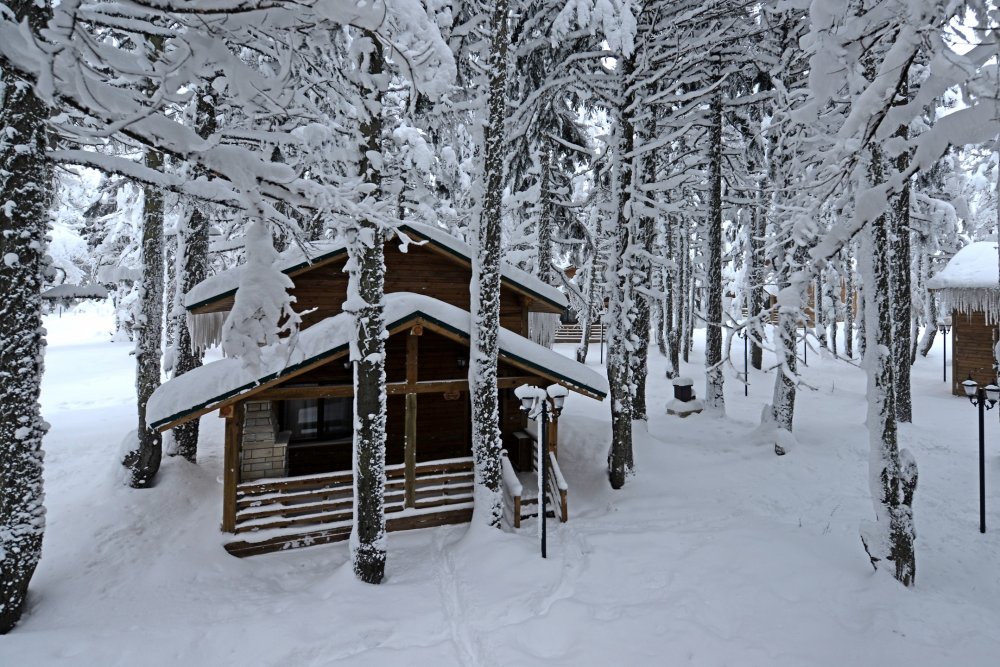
(144, 461)
(365, 293)
(486, 443)
(892, 474)
(757, 272)
(902, 302)
(715, 402)
(26, 184)
(193, 267)
(621, 304)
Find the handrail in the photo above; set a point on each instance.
(512, 490)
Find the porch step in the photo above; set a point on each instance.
(340, 532)
(572, 333)
(273, 515)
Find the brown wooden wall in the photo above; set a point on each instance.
(972, 343)
(443, 420)
(420, 270)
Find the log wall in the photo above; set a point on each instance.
(972, 342)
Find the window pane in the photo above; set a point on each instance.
(337, 414)
(301, 418)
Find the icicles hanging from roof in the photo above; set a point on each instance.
(968, 301)
(206, 329)
(542, 328)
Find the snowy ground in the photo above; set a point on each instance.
(717, 553)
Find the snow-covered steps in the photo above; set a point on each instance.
(278, 514)
(573, 333)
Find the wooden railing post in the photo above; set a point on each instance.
(231, 465)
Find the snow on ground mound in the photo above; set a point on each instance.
(716, 553)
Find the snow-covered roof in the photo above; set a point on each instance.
(66, 291)
(224, 284)
(208, 387)
(973, 267)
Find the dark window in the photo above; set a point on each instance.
(318, 418)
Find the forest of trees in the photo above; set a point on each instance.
(693, 159)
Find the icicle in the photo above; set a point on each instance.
(206, 329)
(968, 301)
(542, 328)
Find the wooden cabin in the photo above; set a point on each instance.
(969, 288)
(288, 444)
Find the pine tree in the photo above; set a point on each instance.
(485, 289)
(193, 260)
(26, 184)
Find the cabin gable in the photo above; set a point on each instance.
(422, 268)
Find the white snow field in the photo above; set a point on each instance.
(716, 553)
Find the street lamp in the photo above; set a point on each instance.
(542, 405)
(984, 398)
(944, 326)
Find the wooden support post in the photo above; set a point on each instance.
(410, 437)
(231, 466)
(410, 452)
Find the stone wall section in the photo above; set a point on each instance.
(265, 451)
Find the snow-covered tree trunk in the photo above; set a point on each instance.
(892, 474)
(486, 439)
(850, 302)
(683, 295)
(621, 303)
(26, 186)
(757, 274)
(671, 321)
(642, 278)
(545, 220)
(365, 302)
(902, 301)
(192, 269)
(144, 461)
(929, 307)
(586, 316)
(819, 309)
(715, 402)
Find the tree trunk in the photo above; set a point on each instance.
(621, 306)
(144, 461)
(642, 277)
(715, 402)
(193, 260)
(671, 320)
(892, 474)
(850, 303)
(757, 273)
(902, 301)
(486, 444)
(365, 291)
(26, 184)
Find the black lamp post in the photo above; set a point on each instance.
(984, 398)
(543, 406)
(944, 326)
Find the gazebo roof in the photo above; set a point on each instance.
(222, 382)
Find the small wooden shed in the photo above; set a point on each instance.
(288, 445)
(969, 288)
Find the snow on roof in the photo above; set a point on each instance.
(225, 283)
(973, 267)
(66, 291)
(220, 380)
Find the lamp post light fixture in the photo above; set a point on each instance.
(944, 326)
(544, 406)
(984, 398)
